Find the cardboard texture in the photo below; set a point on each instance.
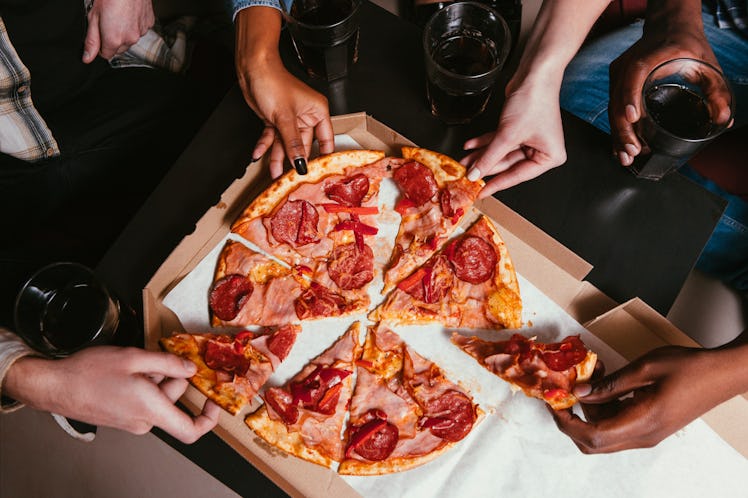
(551, 267)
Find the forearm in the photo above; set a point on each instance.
(257, 46)
(30, 381)
(665, 14)
(559, 30)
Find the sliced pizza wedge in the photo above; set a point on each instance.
(322, 222)
(435, 196)
(249, 288)
(544, 371)
(231, 369)
(404, 411)
(470, 283)
(305, 417)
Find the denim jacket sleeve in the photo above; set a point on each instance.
(237, 5)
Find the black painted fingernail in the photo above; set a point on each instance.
(300, 165)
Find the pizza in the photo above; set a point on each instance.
(321, 223)
(435, 196)
(470, 283)
(249, 288)
(404, 411)
(305, 416)
(231, 369)
(544, 371)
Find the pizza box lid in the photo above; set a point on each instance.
(547, 264)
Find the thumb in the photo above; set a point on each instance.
(92, 43)
(611, 387)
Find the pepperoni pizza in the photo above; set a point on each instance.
(231, 369)
(543, 371)
(470, 283)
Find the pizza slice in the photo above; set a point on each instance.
(251, 289)
(231, 369)
(435, 196)
(404, 411)
(470, 283)
(322, 222)
(544, 371)
(305, 416)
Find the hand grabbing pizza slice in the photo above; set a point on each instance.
(470, 283)
(404, 411)
(305, 416)
(231, 369)
(544, 371)
(435, 195)
(251, 289)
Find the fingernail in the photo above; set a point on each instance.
(189, 366)
(85, 55)
(624, 158)
(631, 149)
(631, 114)
(255, 159)
(300, 165)
(473, 174)
(582, 390)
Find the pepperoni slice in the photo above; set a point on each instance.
(375, 440)
(221, 355)
(473, 259)
(349, 191)
(416, 182)
(450, 416)
(445, 201)
(295, 223)
(351, 268)
(281, 341)
(228, 295)
(282, 403)
(565, 354)
(317, 301)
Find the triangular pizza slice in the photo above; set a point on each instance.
(404, 411)
(322, 223)
(470, 283)
(305, 416)
(544, 371)
(231, 369)
(249, 288)
(434, 196)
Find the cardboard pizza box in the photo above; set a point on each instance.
(630, 328)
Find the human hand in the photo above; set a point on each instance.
(294, 114)
(116, 25)
(529, 139)
(124, 388)
(665, 37)
(651, 398)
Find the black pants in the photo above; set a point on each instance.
(117, 140)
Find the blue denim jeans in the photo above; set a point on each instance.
(585, 94)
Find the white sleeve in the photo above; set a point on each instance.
(11, 349)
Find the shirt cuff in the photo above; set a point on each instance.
(237, 5)
(12, 348)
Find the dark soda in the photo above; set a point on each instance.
(325, 54)
(680, 111)
(75, 315)
(465, 55)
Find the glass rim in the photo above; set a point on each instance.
(712, 67)
(355, 5)
(501, 56)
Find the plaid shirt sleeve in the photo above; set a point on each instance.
(12, 348)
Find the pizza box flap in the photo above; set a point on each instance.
(546, 263)
(634, 328)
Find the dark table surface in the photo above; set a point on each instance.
(642, 237)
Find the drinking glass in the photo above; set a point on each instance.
(686, 103)
(465, 46)
(63, 308)
(325, 35)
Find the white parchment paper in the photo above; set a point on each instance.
(516, 450)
